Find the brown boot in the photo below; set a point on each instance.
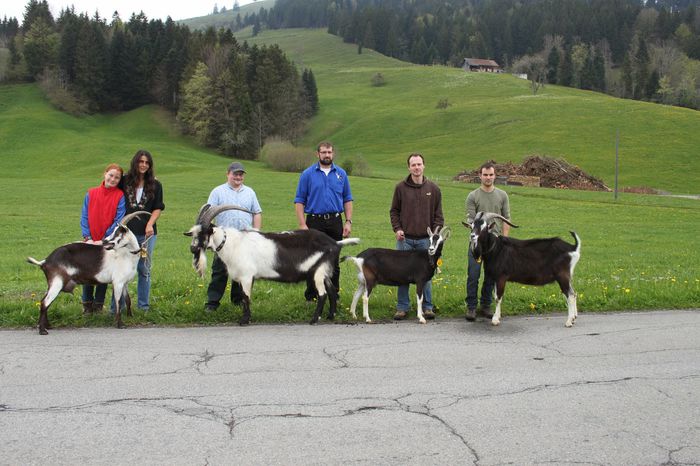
(97, 307)
(87, 308)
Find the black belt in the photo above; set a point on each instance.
(325, 216)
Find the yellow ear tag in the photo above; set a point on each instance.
(478, 261)
(143, 253)
(439, 262)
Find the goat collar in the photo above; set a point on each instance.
(221, 245)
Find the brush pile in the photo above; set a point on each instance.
(540, 171)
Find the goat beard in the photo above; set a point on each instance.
(200, 263)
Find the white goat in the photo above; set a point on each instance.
(114, 261)
(290, 256)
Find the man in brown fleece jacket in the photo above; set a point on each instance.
(416, 206)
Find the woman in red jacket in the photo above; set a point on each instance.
(103, 208)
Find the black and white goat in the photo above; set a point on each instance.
(290, 256)
(114, 261)
(530, 262)
(379, 266)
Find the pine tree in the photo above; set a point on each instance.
(39, 46)
(552, 65)
(565, 70)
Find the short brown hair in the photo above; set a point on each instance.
(488, 164)
(324, 144)
(415, 154)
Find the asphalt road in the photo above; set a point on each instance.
(619, 389)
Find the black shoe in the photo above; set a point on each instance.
(429, 314)
(471, 315)
(485, 311)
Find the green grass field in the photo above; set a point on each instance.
(491, 116)
(639, 252)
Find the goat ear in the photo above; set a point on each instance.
(187, 233)
(492, 226)
(445, 233)
(468, 225)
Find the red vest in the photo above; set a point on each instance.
(102, 209)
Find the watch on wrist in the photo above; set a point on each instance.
(347, 220)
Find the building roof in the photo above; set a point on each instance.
(480, 62)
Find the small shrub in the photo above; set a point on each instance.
(443, 104)
(283, 156)
(378, 80)
(356, 165)
(59, 94)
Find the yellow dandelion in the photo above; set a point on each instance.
(627, 290)
(532, 306)
(187, 302)
(33, 295)
(201, 285)
(37, 304)
(673, 279)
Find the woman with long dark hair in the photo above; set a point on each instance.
(143, 192)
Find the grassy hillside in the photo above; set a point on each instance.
(490, 116)
(638, 253)
(229, 16)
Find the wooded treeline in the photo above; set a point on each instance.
(628, 48)
(229, 96)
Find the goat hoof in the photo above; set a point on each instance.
(422, 321)
(568, 324)
(495, 323)
(313, 321)
(121, 325)
(42, 331)
(243, 322)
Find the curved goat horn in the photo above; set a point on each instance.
(202, 209)
(489, 216)
(207, 216)
(127, 218)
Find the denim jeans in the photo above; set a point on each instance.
(473, 273)
(143, 274)
(403, 303)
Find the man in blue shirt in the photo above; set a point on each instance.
(236, 193)
(323, 195)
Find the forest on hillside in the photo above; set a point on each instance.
(645, 50)
(227, 95)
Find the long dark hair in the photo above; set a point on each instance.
(131, 179)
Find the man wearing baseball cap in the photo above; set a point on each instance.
(236, 193)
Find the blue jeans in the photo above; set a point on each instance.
(473, 273)
(143, 273)
(403, 303)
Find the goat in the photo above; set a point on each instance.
(530, 262)
(379, 266)
(114, 261)
(290, 256)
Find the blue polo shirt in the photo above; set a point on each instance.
(321, 193)
(245, 197)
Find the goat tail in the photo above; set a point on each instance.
(355, 260)
(577, 246)
(348, 241)
(31, 260)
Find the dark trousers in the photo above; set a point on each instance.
(473, 273)
(217, 286)
(333, 227)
